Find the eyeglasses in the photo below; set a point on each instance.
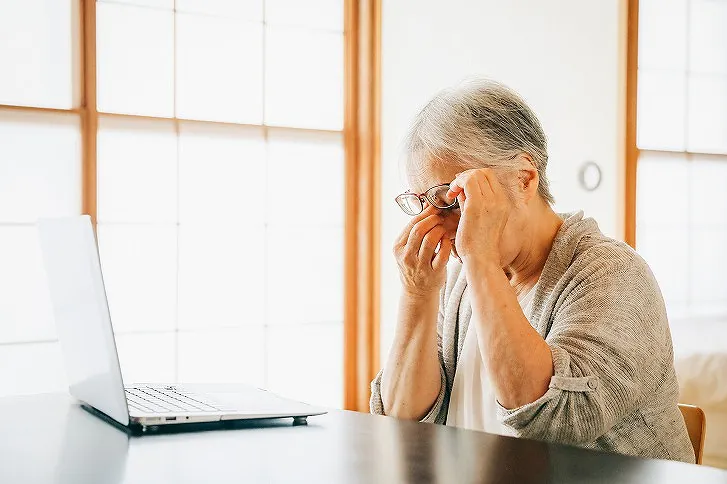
(413, 203)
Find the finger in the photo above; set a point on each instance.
(420, 229)
(491, 184)
(461, 199)
(456, 186)
(428, 211)
(430, 242)
(467, 182)
(440, 260)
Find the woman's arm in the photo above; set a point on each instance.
(411, 380)
(518, 360)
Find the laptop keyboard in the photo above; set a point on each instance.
(148, 399)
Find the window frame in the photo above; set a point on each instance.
(361, 139)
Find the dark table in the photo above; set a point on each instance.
(49, 438)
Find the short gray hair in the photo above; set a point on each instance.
(478, 123)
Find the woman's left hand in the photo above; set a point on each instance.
(485, 211)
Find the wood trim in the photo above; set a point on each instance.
(714, 155)
(40, 110)
(141, 117)
(632, 151)
(89, 118)
(362, 102)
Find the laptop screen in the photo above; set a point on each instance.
(75, 282)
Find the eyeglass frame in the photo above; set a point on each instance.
(423, 197)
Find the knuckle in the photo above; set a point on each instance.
(429, 241)
(419, 231)
(409, 259)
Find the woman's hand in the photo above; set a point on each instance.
(485, 209)
(422, 269)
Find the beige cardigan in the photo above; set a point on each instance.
(599, 308)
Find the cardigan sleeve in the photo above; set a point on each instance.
(607, 343)
(438, 412)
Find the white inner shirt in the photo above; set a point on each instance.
(472, 403)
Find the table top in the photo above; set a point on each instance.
(50, 438)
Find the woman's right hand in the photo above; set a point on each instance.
(422, 269)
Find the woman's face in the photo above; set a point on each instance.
(511, 242)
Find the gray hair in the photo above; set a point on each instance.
(479, 123)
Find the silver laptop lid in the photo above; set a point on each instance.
(77, 292)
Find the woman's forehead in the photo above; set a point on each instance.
(430, 176)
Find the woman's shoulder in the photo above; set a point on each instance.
(583, 253)
(600, 259)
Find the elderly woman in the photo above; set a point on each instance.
(543, 327)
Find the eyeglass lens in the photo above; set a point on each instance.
(410, 204)
(437, 196)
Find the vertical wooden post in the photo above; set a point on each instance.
(89, 113)
(632, 151)
(362, 231)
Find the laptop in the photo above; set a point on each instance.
(83, 321)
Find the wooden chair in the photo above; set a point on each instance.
(696, 427)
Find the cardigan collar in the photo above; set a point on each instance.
(574, 228)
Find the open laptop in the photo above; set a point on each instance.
(87, 342)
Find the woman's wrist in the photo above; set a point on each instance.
(415, 294)
(480, 265)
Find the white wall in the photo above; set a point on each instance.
(565, 58)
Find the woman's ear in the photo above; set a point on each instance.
(528, 178)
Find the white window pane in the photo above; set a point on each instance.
(219, 69)
(667, 253)
(147, 358)
(708, 267)
(708, 36)
(140, 273)
(306, 363)
(164, 4)
(40, 166)
(663, 34)
(661, 110)
(137, 171)
(306, 169)
(25, 308)
(305, 275)
(662, 192)
(32, 368)
(708, 205)
(707, 114)
(221, 175)
(304, 78)
(135, 60)
(316, 14)
(36, 52)
(222, 356)
(221, 276)
(251, 10)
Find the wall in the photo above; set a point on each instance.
(564, 56)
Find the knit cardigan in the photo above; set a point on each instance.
(600, 310)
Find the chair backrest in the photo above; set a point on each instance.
(696, 427)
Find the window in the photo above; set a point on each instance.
(219, 192)
(37, 52)
(681, 217)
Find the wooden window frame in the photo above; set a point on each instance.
(632, 151)
(361, 134)
(631, 155)
(362, 125)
